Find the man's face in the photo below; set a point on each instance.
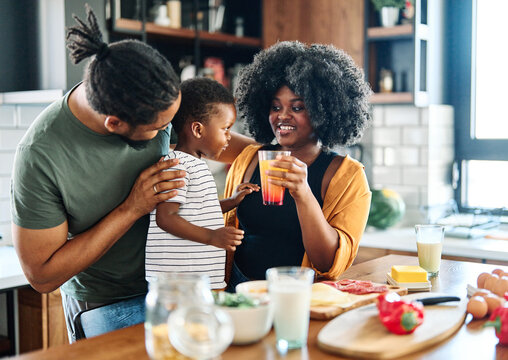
(139, 136)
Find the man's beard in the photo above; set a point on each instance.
(135, 144)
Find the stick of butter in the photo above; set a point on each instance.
(408, 274)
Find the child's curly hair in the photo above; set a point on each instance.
(333, 88)
(199, 97)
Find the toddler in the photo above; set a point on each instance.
(187, 232)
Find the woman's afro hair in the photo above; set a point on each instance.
(333, 88)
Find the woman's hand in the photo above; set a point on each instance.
(294, 177)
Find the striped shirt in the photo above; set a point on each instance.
(199, 206)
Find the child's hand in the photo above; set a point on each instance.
(227, 238)
(242, 191)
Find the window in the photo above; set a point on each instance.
(477, 89)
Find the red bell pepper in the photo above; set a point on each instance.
(499, 320)
(397, 315)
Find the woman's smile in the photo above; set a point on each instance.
(289, 119)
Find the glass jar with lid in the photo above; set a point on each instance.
(165, 293)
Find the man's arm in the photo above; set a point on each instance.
(236, 145)
(48, 259)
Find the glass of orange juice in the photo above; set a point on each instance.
(272, 194)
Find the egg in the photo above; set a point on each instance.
(493, 302)
(482, 293)
(477, 306)
(481, 279)
(490, 282)
(500, 286)
(498, 272)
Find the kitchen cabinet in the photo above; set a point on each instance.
(336, 22)
(410, 51)
(41, 320)
(196, 40)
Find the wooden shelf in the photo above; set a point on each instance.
(392, 98)
(399, 31)
(186, 34)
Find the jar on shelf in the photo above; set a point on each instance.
(175, 13)
(239, 27)
(385, 81)
(165, 294)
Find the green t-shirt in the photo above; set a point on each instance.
(65, 171)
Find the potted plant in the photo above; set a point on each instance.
(388, 10)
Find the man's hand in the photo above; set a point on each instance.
(153, 186)
(227, 238)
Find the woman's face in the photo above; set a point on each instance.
(289, 120)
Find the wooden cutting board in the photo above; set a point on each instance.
(359, 333)
(331, 311)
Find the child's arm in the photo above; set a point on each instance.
(168, 220)
(241, 191)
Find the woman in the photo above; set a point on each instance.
(309, 99)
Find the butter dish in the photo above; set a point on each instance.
(410, 286)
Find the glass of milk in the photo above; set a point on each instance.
(429, 241)
(290, 291)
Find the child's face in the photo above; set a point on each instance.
(217, 130)
(289, 119)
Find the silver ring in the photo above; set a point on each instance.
(155, 188)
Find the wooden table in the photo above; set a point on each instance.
(470, 342)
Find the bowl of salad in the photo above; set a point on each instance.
(252, 318)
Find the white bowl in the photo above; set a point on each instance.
(256, 289)
(251, 324)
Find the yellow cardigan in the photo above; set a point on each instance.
(345, 206)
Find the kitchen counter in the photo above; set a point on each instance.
(471, 341)
(404, 239)
(11, 274)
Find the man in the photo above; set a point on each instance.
(87, 173)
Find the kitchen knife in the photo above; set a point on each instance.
(437, 300)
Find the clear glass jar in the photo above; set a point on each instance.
(165, 294)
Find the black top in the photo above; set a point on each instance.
(273, 236)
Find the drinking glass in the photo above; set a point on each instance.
(272, 194)
(290, 291)
(429, 241)
(201, 331)
(166, 293)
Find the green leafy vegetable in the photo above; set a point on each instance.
(223, 298)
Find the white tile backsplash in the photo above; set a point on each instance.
(386, 175)
(7, 116)
(5, 211)
(10, 139)
(412, 150)
(28, 113)
(384, 136)
(378, 156)
(6, 162)
(378, 116)
(390, 157)
(5, 186)
(408, 155)
(410, 194)
(401, 115)
(414, 175)
(415, 135)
